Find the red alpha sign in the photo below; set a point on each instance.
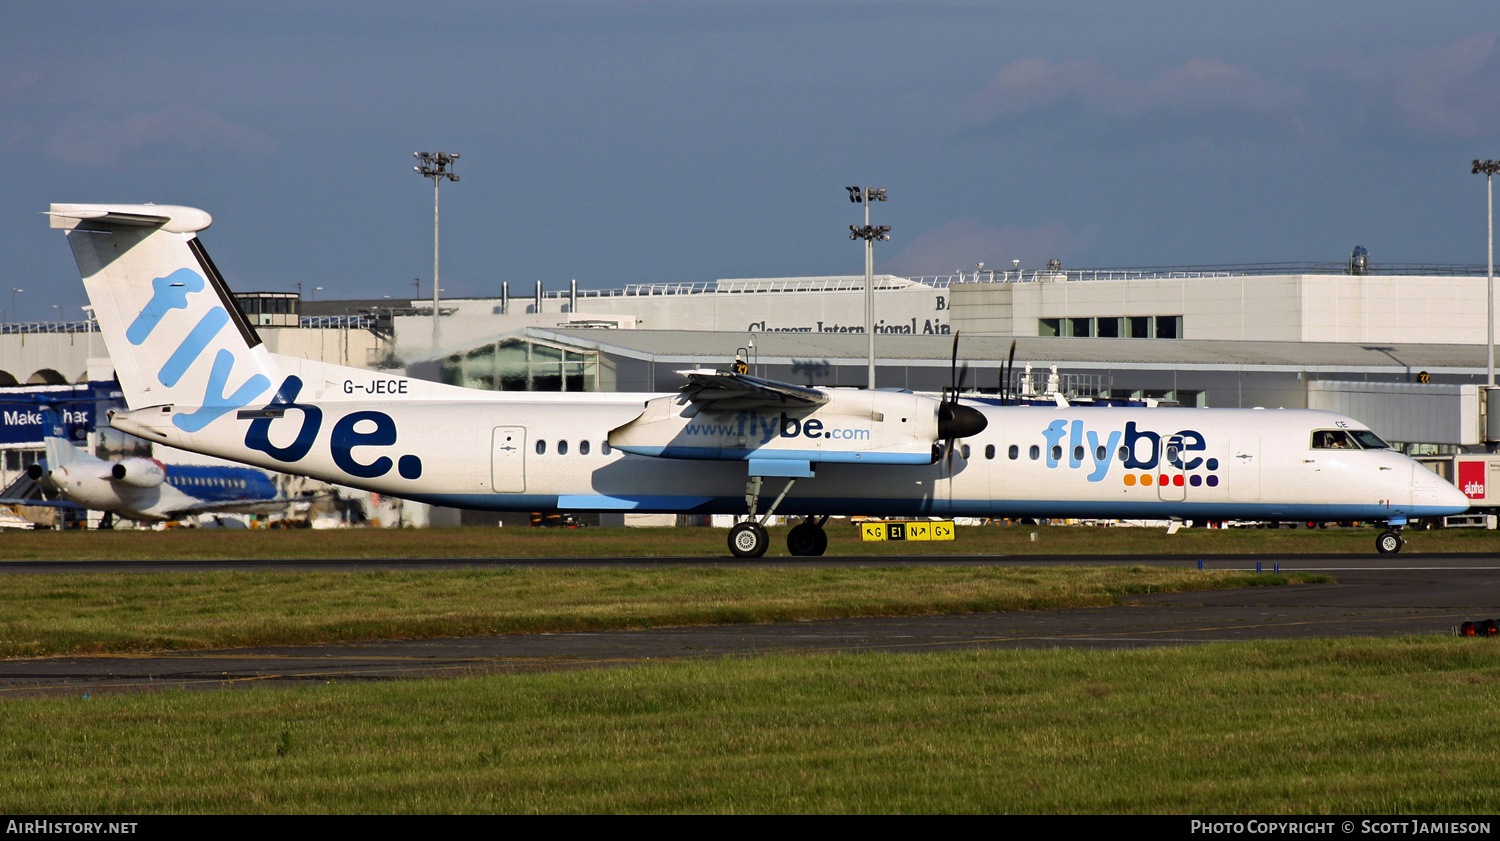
(1471, 478)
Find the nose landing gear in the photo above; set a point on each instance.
(1389, 542)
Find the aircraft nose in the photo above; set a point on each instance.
(1449, 496)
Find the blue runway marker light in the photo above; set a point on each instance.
(1200, 564)
(1257, 566)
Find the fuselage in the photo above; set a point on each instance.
(197, 376)
(551, 453)
(88, 482)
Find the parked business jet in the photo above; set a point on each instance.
(196, 376)
(145, 489)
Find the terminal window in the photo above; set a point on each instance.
(1113, 327)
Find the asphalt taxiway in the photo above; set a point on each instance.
(1374, 596)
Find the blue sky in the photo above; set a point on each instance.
(629, 142)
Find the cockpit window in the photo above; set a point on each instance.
(1333, 439)
(1352, 439)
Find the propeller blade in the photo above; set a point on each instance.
(953, 366)
(1009, 372)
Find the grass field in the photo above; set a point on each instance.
(697, 542)
(1397, 726)
(1380, 727)
(114, 612)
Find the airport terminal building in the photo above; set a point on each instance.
(1401, 347)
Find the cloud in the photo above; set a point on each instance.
(90, 139)
(1198, 86)
(962, 242)
(1451, 91)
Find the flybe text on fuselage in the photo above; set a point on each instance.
(1142, 449)
(754, 426)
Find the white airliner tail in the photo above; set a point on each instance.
(155, 291)
(60, 451)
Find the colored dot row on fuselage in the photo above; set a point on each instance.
(1179, 480)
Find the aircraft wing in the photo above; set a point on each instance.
(722, 390)
(41, 503)
(237, 506)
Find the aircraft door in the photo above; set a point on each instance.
(1243, 468)
(508, 459)
(1171, 485)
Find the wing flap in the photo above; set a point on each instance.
(725, 390)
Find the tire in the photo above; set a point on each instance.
(748, 540)
(807, 540)
(1389, 543)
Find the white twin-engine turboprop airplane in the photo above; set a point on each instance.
(196, 376)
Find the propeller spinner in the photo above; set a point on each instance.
(954, 420)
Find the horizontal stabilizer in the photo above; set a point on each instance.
(170, 218)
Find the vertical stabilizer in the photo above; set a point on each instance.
(174, 332)
(60, 451)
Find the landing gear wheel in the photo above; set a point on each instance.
(1389, 542)
(806, 539)
(748, 540)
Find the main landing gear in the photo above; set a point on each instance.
(807, 538)
(749, 539)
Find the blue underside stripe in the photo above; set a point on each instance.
(1054, 509)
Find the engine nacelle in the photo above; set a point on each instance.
(852, 427)
(139, 472)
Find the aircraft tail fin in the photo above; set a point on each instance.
(174, 331)
(60, 451)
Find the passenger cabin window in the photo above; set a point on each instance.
(1015, 452)
(583, 448)
(562, 448)
(989, 450)
(1036, 452)
(541, 447)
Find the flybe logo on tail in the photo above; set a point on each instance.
(171, 293)
(1134, 449)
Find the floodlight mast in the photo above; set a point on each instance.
(437, 166)
(869, 235)
(1488, 169)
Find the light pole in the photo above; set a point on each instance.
(437, 166)
(13, 292)
(1489, 168)
(869, 235)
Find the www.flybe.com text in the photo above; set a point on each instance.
(753, 425)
